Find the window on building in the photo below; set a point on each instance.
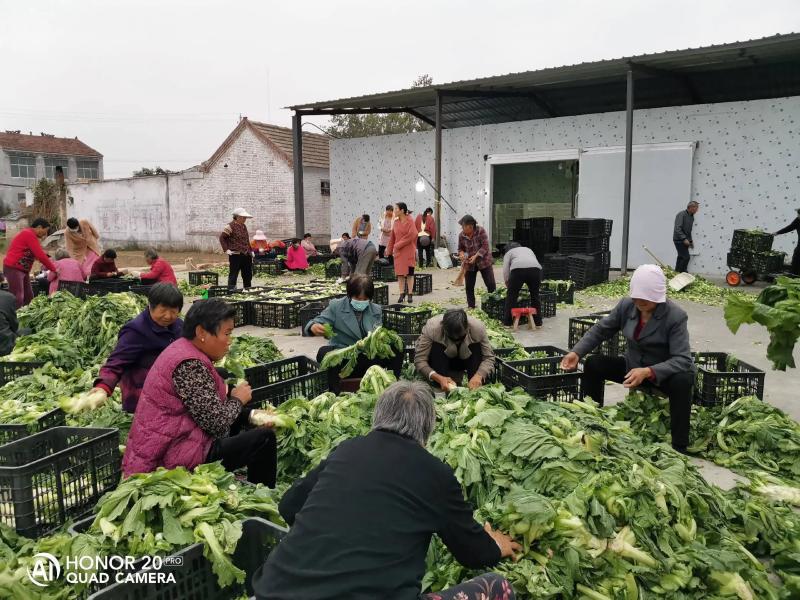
(21, 199)
(325, 187)
(50, 165)
(88, 169)
(23, 166)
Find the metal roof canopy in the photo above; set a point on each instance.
(752, 70)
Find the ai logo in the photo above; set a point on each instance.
(45, 570)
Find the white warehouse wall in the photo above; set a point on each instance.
(746, 170)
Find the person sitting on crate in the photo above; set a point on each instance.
(793, 226)
(521, 267)
(160, 270)
(186, 416)
(69, 269)
(452, 344)
(657, 352)
(361, 522)
(261, 248)
(308, 246)
(140, 342)
(358, 256)
(106, 267)
(351, 319)
(296, 259)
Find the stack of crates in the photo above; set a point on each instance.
(535, 233)
(751, 251)
(586, 243)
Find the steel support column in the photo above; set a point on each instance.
(626, 212)
(297, 159)
(437, 174)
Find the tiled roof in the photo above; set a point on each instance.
(315, 146)
(46, 144)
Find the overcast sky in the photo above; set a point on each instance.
(162, 82)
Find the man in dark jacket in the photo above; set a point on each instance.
(9, 327)
(141, 341)
(682, 235)
(657, 354)
(793, 226)
(361, 522)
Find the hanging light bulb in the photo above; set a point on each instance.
(420, 186)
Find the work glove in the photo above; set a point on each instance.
(136, 274)
(229, 252)
(262, 418)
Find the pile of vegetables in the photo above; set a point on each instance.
(379, 343)
(147, 515)
(47, 345)
(777, 308)
(701, 291)
(601, 514)
(187, 289)
(748, 436)
(248, 351)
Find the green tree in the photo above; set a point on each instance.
(146, 172)
(351, 126)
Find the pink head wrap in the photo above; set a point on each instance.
(649, 283)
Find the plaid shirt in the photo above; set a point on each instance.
(478, 244)
(238, 240)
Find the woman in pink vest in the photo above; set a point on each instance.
(69, 269)
(186, 415)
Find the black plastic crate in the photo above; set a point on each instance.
(423, 284)
(590, 228)
(218, 291)
(381, 272)
(564, 292)
(308, 312)
(281, 380)
(555, 266)
(321, 258)
(381, 295)
(608, 225)
(496, 308)
(101, 287)
(9, 371)
(203, 278)
(264, 313)
(10, 432)
(548, 303)
(754, 241)
(405, 322)
(542, 351)
(271, 268)
(721, 378)
(56, 475)
(535, 223)
(768, 262)
(333, 270)
(542, 378)
(578, 326)
(142, 290)
(580, 245)
(193, 573)
(79, 289)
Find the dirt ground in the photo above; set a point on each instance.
(134, 259)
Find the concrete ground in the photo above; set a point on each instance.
(707, 330)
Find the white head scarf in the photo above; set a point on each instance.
(649, 283)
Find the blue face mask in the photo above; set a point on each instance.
(359, 305)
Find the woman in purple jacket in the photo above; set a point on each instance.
(141, 340)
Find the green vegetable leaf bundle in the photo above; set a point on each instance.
(248, 351)
(379, 343)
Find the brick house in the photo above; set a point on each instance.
(24, 159)
(252, 168)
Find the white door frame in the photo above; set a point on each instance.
(509, 159)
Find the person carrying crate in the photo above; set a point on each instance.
(658, 352)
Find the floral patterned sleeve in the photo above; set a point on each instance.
(197, 390)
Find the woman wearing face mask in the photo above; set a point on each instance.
(352, 318)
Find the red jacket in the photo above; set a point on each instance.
(160, 272)
(24, 250)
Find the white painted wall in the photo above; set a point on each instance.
(746, 170)
(138, 211)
